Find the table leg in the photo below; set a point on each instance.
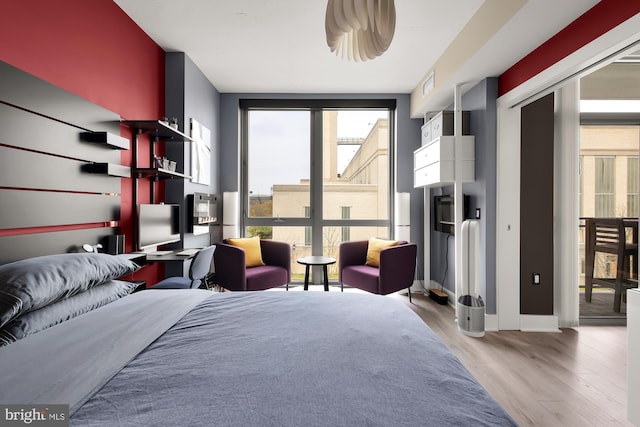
(326, 278)
(306, 278)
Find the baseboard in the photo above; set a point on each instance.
(417, 286)
(491, 322)
(536, 323)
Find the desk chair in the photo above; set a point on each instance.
(198, 271)
(607, 235)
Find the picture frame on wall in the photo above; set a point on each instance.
(200, 153)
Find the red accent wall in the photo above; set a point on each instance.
(595, 22)
(94, 50)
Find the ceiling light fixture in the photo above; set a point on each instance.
(360, 30)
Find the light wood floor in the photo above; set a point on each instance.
(573, 378)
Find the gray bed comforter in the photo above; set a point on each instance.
(294, 359)
(259, 359)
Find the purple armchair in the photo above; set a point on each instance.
(232, 274)
(396, 271)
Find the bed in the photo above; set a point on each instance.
(196, 357)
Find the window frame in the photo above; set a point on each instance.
(316, 108)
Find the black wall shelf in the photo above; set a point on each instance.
(157, 129)
(110, 169)
(109, 139)
(159, 173)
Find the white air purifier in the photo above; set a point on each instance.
(470, 306)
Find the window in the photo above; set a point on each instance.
(346, 214)
(605, 187)
(307, 230)
(317, 172)
(632, 186)
(278, 163)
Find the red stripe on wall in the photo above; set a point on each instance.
(90, 48)
(94, 50)
(601, 18)
(48, 229)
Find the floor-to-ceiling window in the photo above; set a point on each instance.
(316, 173)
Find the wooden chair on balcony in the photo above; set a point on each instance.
(607, 235)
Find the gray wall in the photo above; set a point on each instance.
(190, 95)
(407, 140)
(480, 101)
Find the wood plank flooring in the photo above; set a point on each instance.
(576, 377)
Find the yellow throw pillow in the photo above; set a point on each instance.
(373, 250)
(251, 246)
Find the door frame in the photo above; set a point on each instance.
(613, 44)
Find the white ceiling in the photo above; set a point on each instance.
(279, 46)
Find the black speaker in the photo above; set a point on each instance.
(115, 244)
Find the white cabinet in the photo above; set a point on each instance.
(434, 163)
(438, 150)
(426, 133)
(442, 125)
(633, 356)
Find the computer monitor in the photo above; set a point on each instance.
(158, 224)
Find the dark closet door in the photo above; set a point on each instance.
(536, 207)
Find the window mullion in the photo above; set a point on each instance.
(316, 181)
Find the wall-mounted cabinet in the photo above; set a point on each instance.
(442, 125)
(435, 163)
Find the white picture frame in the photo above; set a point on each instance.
(200, 153)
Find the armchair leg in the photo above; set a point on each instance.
(287, 286)
(341, 287)
(409, 291)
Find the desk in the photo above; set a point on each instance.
(308, 261)
(171, 256)
(136, 257)
(174, 264)
(139, 259)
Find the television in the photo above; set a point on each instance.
(158, 224)
(444, 213)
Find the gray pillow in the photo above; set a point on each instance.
(36, 282)
(68, 308)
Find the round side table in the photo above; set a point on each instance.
(308, 261)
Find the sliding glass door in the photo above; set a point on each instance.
(315, 175)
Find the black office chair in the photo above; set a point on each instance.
(198, 271)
